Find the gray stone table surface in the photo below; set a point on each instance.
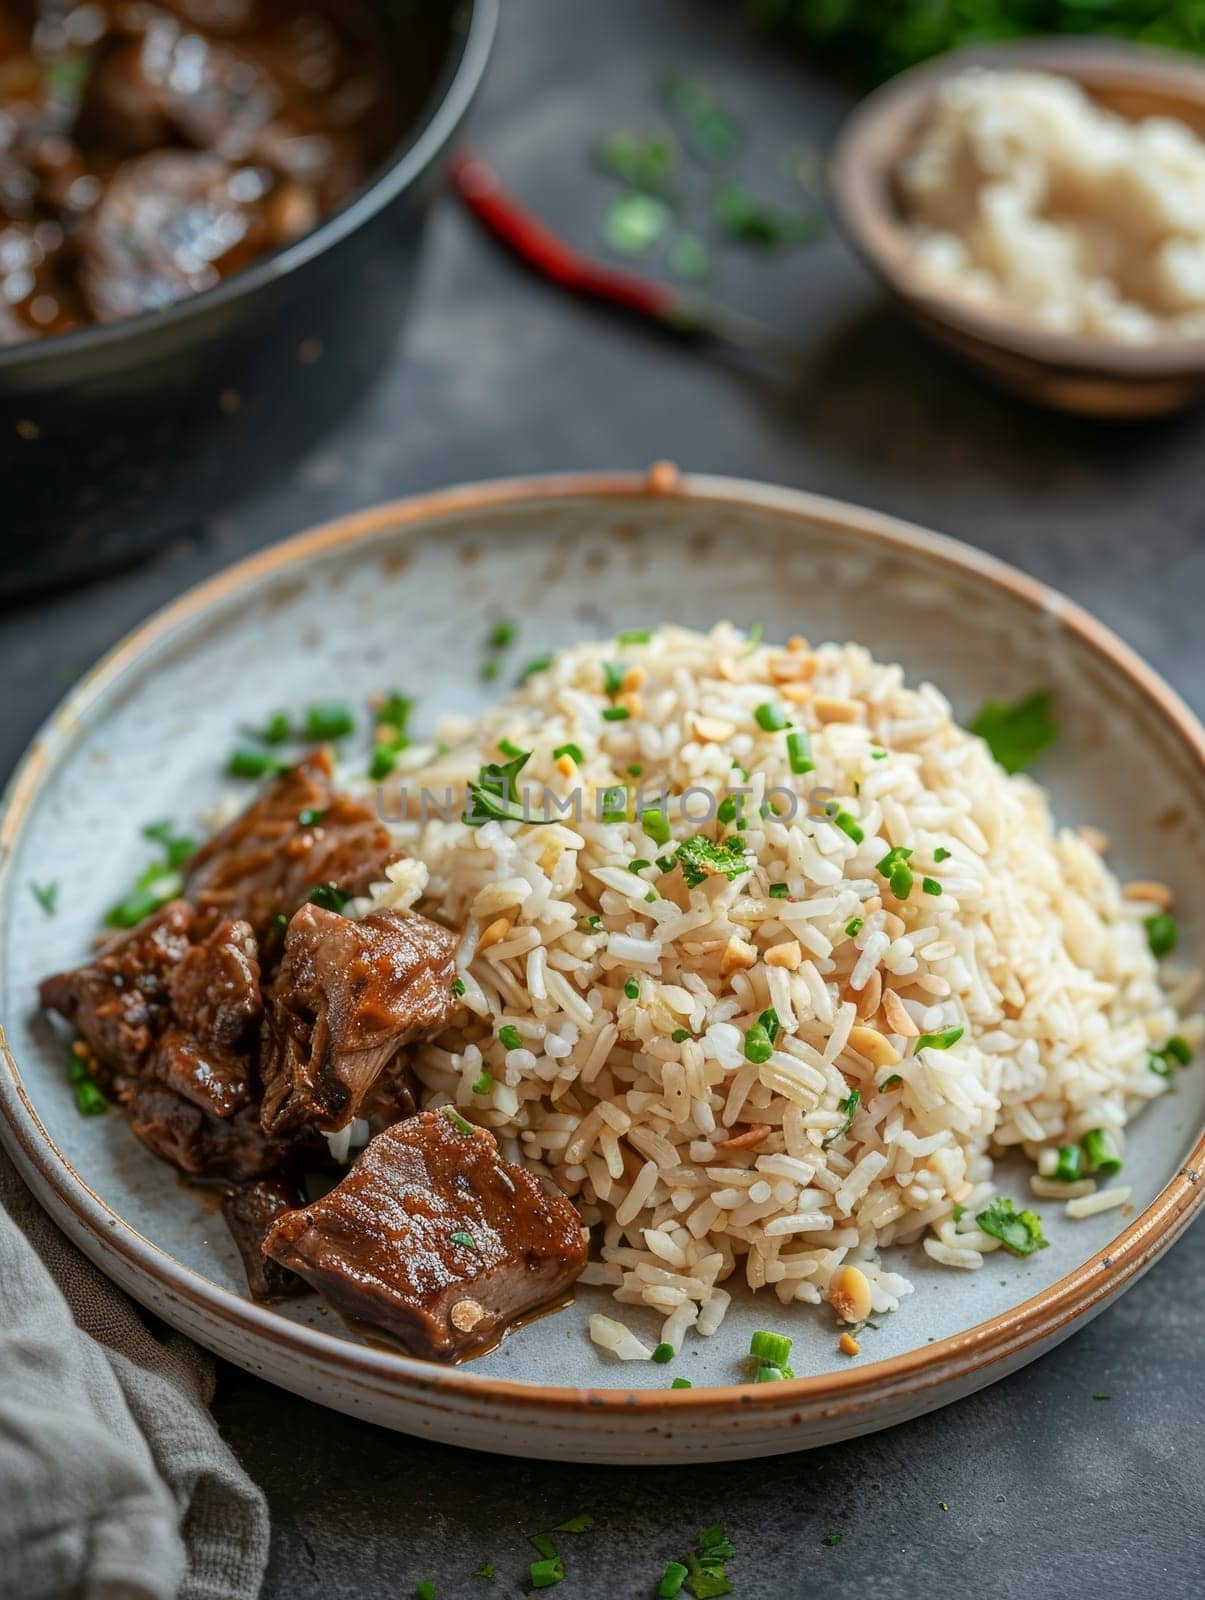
(1034, 1485)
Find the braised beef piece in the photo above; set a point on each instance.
(219, 1081)
(250, 1212)
(267, 861)
(434, 1238)
(119, 1003)
(204, 1146)
(347, 997)
(215, 992)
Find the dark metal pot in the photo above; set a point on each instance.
(117, 436)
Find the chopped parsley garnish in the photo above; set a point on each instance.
(849, 1108)
(538, 664)
(500, 635)
(930, 885)
(941, 853)
(494, 796)
(614, 672)
(663, 1353)
(327, 895)
(1016, 734)
(706, 1578)
(854, 927)
(47, 896)
(702, 857)
(508, 1037)
(779, 891)
(328, 719)
(1175, 1053)
(759, 1047)
(773, 1348)
(1020, 1232)
(1161, 934)
(543, 1544)
(465, 1240)
(458, 987)
(894, 867)
(484, 1083)
(848, 825)
(799, 752)
(394, 712)
(681, 1383)
(939, 1041)
(656, 826)
(573, 751)
(1070, 1164)
(616, 714)
(243, 763)
(770, 718)
(1100, 1152)
(177, 848)
(680, 1035)
(632, 989)
(635, 636)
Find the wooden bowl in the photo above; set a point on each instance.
(1092, 377)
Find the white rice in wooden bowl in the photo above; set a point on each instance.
(610, 1003)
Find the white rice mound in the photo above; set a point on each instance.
(698, 1163)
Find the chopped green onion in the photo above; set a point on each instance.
(635, 222)
(729, 810)
(47, 896)
(178, 848)
(650, 897)
(849, 825)
(328, 719)
(632, 989)
(681, 1383)
(639, 864)
(1069, 1168)
(770, 718)
(849, 1108)
(663, 1353)
(878, 755)
(616, 714)
(1016, 734)
(680, 1035)
(799, 752)
(675, 1573)
(508, 1037)
(458, 987)
(538, 664)
(779, 891)
(854, 927)
(1100, 1152)
(642, 161)
(573, 751)
(512, 751)
(494, 796)
(490, 670)
(702, 857)
(424, 1591)
(1175, 1053)
(394, 712)
(614, 672)
(769, 1021)
(457, 1121)
(89, 1101)
(894, 867)
(280, 923)
(245, 763)
(768, 1374)
(666, 863)
(310, 817)
(833, 1538)
(635, 636)
(501, 634)
(382, 763)
(485, 1570)
(545, 1573)
(1161, 934)
(465, 1240)
(941, 853)
(930, 886)
(327, 895)
(773, 1348)
(579, 1524)
(656, 825)
(958, 1213)
(634, 769)
(1020, 1232)
(892, 1081)
(484, 1083)
(153, 888)
(938, 1041)
(276, 730)
(758, 1045)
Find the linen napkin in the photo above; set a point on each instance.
(114, 1481)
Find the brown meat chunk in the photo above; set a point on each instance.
(205, 1146)
(250, 1212)
(266, 862)
(119, 1003)
(347, 997)
(434, 1238)
(216, 1080)
(215, 992)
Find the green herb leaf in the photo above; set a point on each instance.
(675, 1573)
(1017, 734)
(243, 763)
(458, 987)
(681, 1383)
(663, 1353)
(680, 1035)
(47, 896)
(616, 714)
(465, 1240)
(714, 133)
(538, 664)
(1020, 1232)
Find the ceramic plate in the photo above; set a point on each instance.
(404, 597)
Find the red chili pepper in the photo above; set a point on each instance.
(535, 243)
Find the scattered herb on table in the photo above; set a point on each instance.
(501, 635)
(642, 161)
(47, 896)
(1099, 1396)
(485, 1570)
(1020, 1232)
(753, 219)
(582, 1523)
(635, 222)
(713, 132)
(1016, 734)
(833, 1538)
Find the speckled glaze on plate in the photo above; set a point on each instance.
(403, 596)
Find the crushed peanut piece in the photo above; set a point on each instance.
(849, 1345)
(751, 1136)
(566, 766)
(1151, 892)
(829, 708)
(789, 954)
(849, 1295)
(737, 954)
(494, 933)
(713, 730)
(875, 1046)
(899, 1018)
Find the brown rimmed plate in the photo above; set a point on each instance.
(403, 596)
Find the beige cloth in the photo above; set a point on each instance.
(114, 1481)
